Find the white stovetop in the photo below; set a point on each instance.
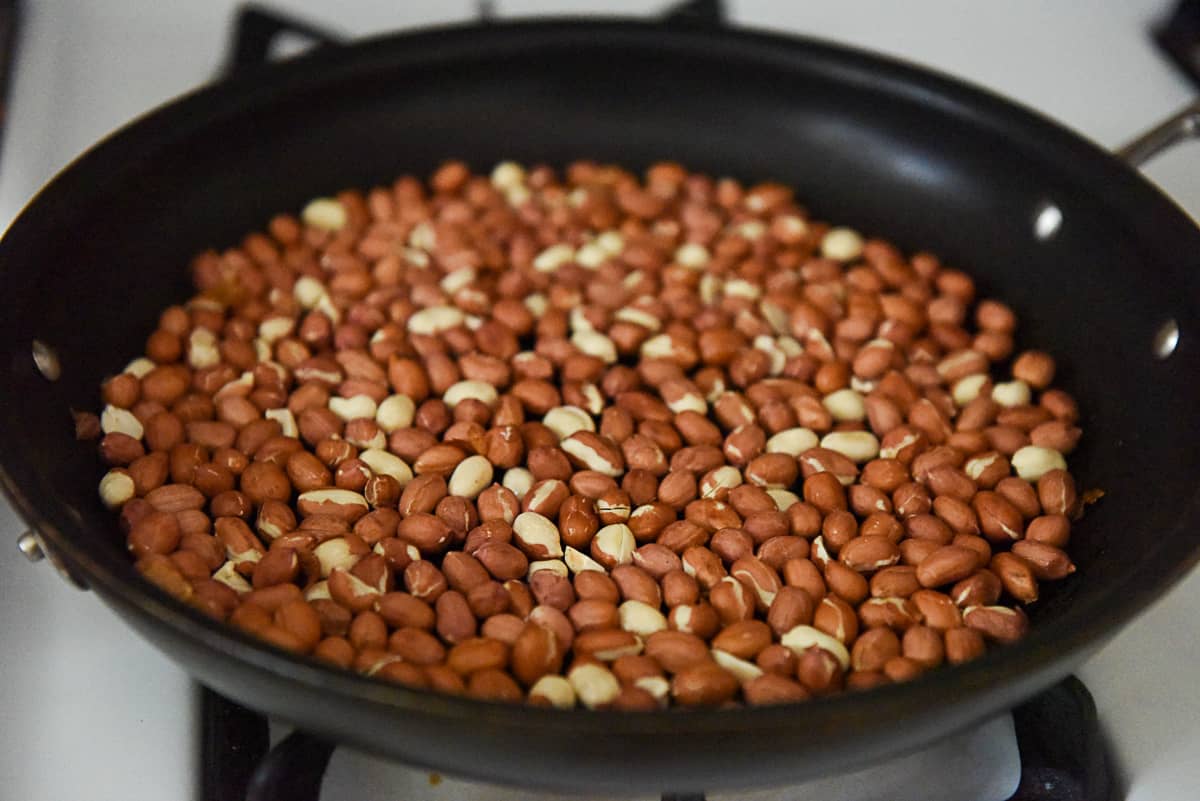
(87, 711)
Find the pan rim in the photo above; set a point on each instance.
(1045, 645)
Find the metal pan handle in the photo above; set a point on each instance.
(1180, 127)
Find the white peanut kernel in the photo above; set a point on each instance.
(116, 487)
(617, 542)
(353, 408)
(507, 174)
(845, 405)
(1033, 461)
(710, 287)
(386, 463)
(308, 291)
(611, 242)
(658, 347)
(458, 279)
(139, 367)
(286, 420)
(775, 316)
(692, 255)
(334, 553)
(435, 320)
(325, 213)
(566, 420)
(742, 670)
(723, 478)
(593, 399)
(740, 288)
(476, 390)
(641, 618)
(115, 420)
(555, 689)
(227, 574)
(472, 476)
(593, 343)
(553, 257)
(579, 320)
(202, 349)
(657, 686)
(578, 561)
(319, 591)
(591, 458)
(975, 467)
(594, 685)
(631, 314)
(783, 498)
(688, 401)
(538, 531)
(591, 256)
(423, 237)
(537, 304)
(240, 387)
(967, 389)
(858, 446)
(517, 480)
(841, 244)
(801, 638)
(1011, 393)
(276, 328)
(395, 412)
(792, 441)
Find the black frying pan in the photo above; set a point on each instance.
(891, 149)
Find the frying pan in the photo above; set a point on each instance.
(1101, 268)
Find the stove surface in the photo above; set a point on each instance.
(83, 692)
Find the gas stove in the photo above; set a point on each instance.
(90, 711)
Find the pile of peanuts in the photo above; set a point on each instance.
(586, 439)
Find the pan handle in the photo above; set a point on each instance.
(1184, 125)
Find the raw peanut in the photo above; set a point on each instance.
(867, 554)
(998, 623)
(427, 532)
(1021, 494)
(999, 519)
(898, 581)
(963, 645)
(636, 584)
(732, 601)
(477, 654)
(703, 684)
(607, 645)
(699, 619)
(1047, 562)
(537, 536)
(894, 613)
(703, 565)
(535, 653)
(1016, 575)
(156, 533)
(1056, 493)
(924, 646)
(657, 560)
(981, 588)
(594, 685)
(946, 565)
(937, 610)
(835, 617)
(846, 583)
(873, 649)
(744, 639)
(777, 659)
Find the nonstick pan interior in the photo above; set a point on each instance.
(891, 150)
